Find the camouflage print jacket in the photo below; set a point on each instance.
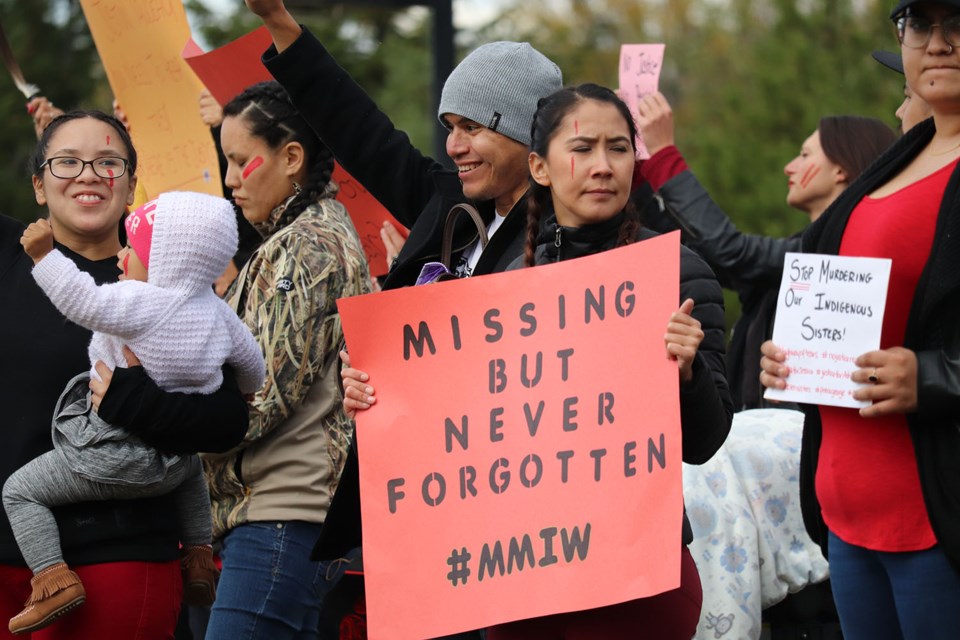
(289, 462)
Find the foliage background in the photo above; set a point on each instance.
(748, 79)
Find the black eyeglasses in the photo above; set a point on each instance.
(68, 167)
(915, 32)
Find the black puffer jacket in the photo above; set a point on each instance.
(933, 333)
(706, 409)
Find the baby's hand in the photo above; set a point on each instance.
(37, 240)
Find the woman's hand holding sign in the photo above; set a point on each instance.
(683, 338)
(773, 372)
(357, 394)
(890, 376)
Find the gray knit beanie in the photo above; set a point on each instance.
(498, 86)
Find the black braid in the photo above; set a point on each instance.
(270, 115)
(631, 224)
(538, 196)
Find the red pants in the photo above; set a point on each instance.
(125, 601)
(668, 616)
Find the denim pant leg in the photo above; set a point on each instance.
(269, 587)
(888, 596)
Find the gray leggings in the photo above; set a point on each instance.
(46, 481)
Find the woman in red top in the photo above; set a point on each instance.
(880, 487)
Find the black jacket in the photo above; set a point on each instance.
(706, 410)
(416, 189)
(933, 333)
(749, 264)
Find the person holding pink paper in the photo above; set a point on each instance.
(581, 165)
(830, 159)
(879, 487)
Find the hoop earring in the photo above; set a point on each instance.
(297, 189)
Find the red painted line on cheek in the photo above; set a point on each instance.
(251, 167)
(573, 165)
(110, 171)
(809, 175)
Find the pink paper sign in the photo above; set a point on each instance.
(640, 66)
(523, 457)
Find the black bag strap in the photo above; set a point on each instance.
(446, 250)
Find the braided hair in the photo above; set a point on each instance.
(269, 114)
(550, 113)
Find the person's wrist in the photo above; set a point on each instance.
(281, 20)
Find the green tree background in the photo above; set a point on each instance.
(748, 79)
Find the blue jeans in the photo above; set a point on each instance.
(883, 595)
(269, 587)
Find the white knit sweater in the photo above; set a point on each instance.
(174, 323)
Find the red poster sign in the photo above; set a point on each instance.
(523, 457)
(229, 70)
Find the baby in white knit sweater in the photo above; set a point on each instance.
(165, 310)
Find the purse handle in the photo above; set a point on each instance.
(446, 250)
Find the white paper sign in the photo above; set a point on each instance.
(830, 312)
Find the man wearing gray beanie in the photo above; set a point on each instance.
(487, 107)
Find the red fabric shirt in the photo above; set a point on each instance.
(659, 168)
(867, 480)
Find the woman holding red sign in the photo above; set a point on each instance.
(581, 166)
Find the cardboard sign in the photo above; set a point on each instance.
(640, 66)
(139, 44)
(229, 70)
(523, 457)
(830, 312)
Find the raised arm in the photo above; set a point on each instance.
(282, 26)
(737, 258)
(122, 308)
(363, 139)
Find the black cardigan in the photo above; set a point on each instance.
(933, 333)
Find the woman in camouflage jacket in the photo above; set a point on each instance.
(271, 493)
